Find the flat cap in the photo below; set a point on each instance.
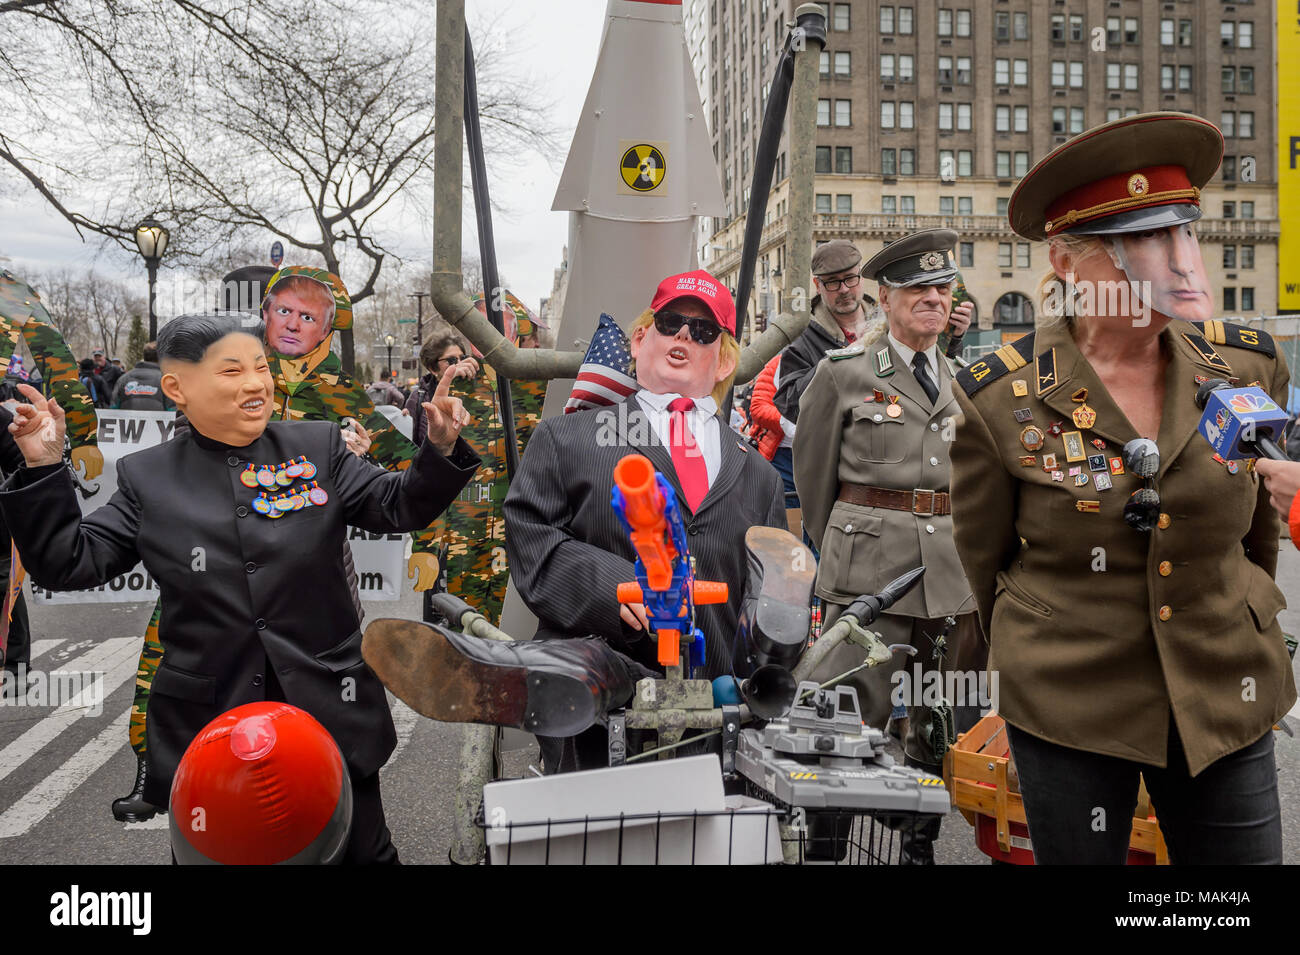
(1132, 174)
(921, 258)
(838, 255)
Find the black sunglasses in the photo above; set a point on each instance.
(704, 331)
(1142, 458)
(449, 361)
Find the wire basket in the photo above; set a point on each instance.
(753, 834)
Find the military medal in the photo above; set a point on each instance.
(895, 410)
(1099, 444)
(1028, 460)
(265, 476)
(1233, 467)
(1096, 462)
(1116, 465)
(1022, 415)
(317, 495)
(1102, 481)
(1076, 471)
(877, 395)
(1055, 429)
(1019, 388)
(1084, 417)
(1031, 437)
(1080, 480)
(261, 504)
(1049, 462)
(248, 477)
(1058, 476)
(1073, 446)
(1087, 507)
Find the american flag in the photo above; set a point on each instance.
(605, 377)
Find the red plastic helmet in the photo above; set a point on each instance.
(262, 784)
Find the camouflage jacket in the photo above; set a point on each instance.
(58, 370)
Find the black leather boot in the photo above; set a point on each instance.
(132, 807)
(547, 687)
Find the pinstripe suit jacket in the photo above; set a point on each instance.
(568, 552)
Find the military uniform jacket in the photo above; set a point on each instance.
(846, 435)
(1098, 631)
(239, 590)
(568, 552)
(799, 359)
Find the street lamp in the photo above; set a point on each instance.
(389, 340)
(151, 239)
(419, 316)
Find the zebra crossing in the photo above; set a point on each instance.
(34, 739)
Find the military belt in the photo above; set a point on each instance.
(919, 501)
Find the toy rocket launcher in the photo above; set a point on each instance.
(1240, 422)
(665, 574)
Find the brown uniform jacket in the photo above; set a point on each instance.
(845, 435)
(1098, 631)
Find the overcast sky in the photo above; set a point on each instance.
(556, 46)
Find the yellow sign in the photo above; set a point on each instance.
(643, 167)
(1288, 165)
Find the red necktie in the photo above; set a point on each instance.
(688, 459)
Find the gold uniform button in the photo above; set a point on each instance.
(1166, 568)
(1165, 521)
(1166, 612)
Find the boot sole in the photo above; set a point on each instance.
(127, 816)
(774, 549)
(430, 675)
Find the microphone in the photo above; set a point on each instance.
(1240, 422)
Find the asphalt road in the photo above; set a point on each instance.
(60, 771)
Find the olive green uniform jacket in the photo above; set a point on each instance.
(1100, 632)
(845, 435)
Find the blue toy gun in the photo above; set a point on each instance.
(665, 574)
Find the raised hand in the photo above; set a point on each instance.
(960, 318)
(445, 415)
(39, 428)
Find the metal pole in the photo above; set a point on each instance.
(419, 316)
(390, 361)
(152, 265)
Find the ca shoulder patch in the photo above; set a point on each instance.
(996, 364)
(848, 351)
(1218, 332)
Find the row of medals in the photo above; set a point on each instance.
(282, 475)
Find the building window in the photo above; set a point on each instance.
(1247, 256)
(1130, 30)
(907, 205)
(905, 115)
(1076, 74)
(945, 22)
(1022, 119)
(1022, 163)
(1166, 32)
(1246, 79)
(823, 164)
(905, 21)
(947, 165)
(843, 112)
(945, 205)
(1248, 299)
(1004, 255)
(1230, 257)
(963, 116)
(1076, 28)
(963, 70)
(824, 112)
(1002, 164)
(824, 64)
(1020, 72)
(887, 114)
(1058, 72)
(965, 205)
(1229, 169)
(1229, 299)
(1002, 26)
(945, 71)
(841, 16)
(1248, 210)
(1058, 120)
(888, 162)
(1246, 125)
(1227, 122)
(1113, 34)
(1130, 76)
(1020, 26)
(1184, 32)
(889, 204)
(844, 205)
(1245, 35)
(963, 23)
(1167, 78)
(945, 116)
(906, 162)
(965, 162)
(966, 255)
(1002, 72)
(886, 19)
(1112, 76)
(1227, 80)
(1227, 30)
(841, 64)
(905, 68)
(1058, 28)
(1229, 210)
(1022, 255)
(1002, 119)
(843, 159)
(823, 203)
(887, 67)
(1076, 119)
(1184, 79)
(1003, 202)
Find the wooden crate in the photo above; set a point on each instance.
(982, 781)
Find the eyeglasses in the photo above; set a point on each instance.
(833, 285)
(1142, 458)
(704, 331)
(449, 361)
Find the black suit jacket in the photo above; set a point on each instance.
(568, 552)
(240, 592)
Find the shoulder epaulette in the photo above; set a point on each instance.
(848, 351)
(1218, 332)
(994, 365)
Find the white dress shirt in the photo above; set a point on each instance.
(702, 420)
(931, 357)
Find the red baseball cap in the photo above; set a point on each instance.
(702, 286)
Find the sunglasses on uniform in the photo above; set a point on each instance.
(849, 281)
(704, 331)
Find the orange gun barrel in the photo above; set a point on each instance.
(643, 506)
(709, 592)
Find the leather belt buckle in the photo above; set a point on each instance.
(916, 503)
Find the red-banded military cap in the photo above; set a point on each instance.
(1132, 174)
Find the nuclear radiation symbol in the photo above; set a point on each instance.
(643, 167)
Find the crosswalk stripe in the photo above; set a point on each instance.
(116, 658)
(42, 798)
(404, 720)
(44, 646)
